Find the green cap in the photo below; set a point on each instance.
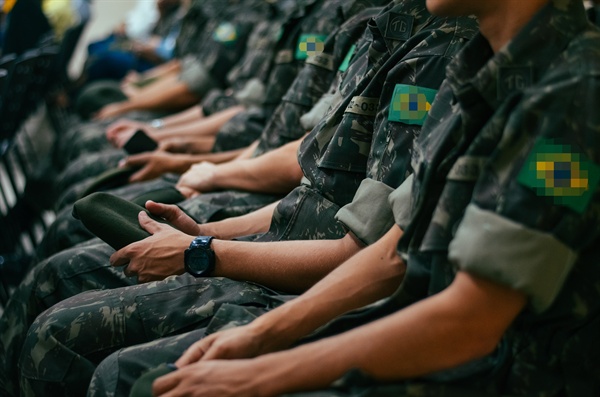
(113, 219)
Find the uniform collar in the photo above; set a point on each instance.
(522, 61)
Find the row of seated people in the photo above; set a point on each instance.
(365, 197)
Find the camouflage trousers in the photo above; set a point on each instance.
(61, 276)
(117, 373)
(65, 343)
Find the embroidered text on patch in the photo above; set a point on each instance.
(411, 104)
(556, 171)
(310, 45)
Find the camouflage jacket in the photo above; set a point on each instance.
(302, 35)
(403, 45)
(311, 83)
(505, 188)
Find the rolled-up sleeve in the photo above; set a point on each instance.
(372, 212)
(500, 250)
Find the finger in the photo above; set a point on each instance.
(166, 211)
(188, 192)
(149, 224)
(128, 271)
(140, 175)
(119, 258)
(165, 383)
(194, 353)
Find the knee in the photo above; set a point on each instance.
(105, 378)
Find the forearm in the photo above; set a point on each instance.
(207, 126)
(166, 94)
(248, 152)
(435, 334)
(289, 266)
(275, 172)
(162, 70)
(370, 275)
(245, 225)
(188, 115)
(215, 158)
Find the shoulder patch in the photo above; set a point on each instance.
(225, 33)
(411, 104)
(556, 171)
(310, 45)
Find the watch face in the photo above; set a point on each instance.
(199, 261)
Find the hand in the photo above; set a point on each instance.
(153, 165)
(240, 342)
(200, 177)
(175, 217)
(239, 378)
(155, 257)
(111, 110)
(121, 130)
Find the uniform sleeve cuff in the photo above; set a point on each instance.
(196, 77)
(500, 250)
(399, 201)
(368, 216)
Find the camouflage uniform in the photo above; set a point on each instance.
(85, 152)
(496, 193)
(433, 41)
(283, 127)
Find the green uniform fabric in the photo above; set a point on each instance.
(445, 36)
(489, 222)
(284, 126)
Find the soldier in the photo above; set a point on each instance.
(284, 127)
(494, 257)
(390, 59)
(312, 17)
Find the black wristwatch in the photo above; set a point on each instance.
(199, 259)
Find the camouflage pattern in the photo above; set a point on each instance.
(551, 349)
(447, 35)
(284, 127)
(348, 146)
(311, 17)
(256, 63)
(190, 34)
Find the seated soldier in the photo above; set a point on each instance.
(361, 137)
(240, 184)
(493, 260)
(239, 131)
(222, 45)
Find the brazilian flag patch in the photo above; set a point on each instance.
(310, 45)
(225, 33)
(556, 171)
(411, 104)
(346, 62)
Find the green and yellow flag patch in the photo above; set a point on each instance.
(411, 104)
(310, 45)
(556, 171)
(225, 33)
